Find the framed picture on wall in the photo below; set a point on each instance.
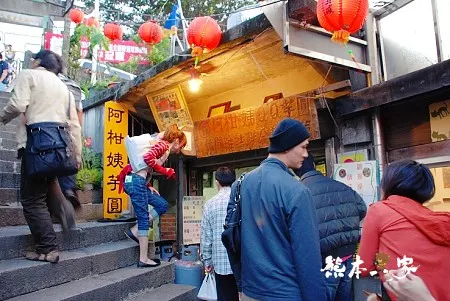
(273, 97)
(219, 109)
(170, 107)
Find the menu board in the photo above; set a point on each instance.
(192, 218)
(361, 177)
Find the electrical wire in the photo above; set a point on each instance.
(324, 100)
(189, 19)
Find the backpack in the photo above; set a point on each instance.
(5, 66)
(73, 87)
(231, 236)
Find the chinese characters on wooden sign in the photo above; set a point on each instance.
(192, 218)
(114, 159)
(170, 107)
(250, 128)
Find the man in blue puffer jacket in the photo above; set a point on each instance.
(339, 212)
(279, 236)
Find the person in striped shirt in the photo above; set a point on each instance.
(136, 183)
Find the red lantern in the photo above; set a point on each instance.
(204, 32)
(342, 17)
(92, 22)
(113, 31)
(76, 15)
(150, 32)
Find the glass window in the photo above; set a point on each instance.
(441, 199)
(408, 37)
(443, 8)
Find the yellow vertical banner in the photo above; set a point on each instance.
(114, 159)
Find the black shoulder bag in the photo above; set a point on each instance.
(231, 236)
(49, 150)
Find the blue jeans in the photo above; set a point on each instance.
(340, 288)
(3, 87)
(141, 197)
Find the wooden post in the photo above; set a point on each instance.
(330, 155)
(180, 173)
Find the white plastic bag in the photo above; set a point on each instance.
(208, 289)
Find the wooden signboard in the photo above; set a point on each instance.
(114, 159)
(250, 128)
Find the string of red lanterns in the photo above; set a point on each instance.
(203, 34)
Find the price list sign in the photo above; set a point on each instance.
(192, 218)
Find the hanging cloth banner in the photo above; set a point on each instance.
(114, 159)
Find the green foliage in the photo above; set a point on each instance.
(89, 158)
(89, 176)
(160, 52)
(96, 38)
(144, 10)
(91, 166)
(131, 66)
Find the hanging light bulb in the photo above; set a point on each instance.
(195, 82)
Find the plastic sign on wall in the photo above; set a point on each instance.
(118, 51)
(53, 42)
(114, 159)
(192, 218)
(361, 177)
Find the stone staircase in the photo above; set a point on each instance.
(97, 262)
(10, 208)
(9, 164)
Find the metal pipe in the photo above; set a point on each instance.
(378, 140)
(180, 204)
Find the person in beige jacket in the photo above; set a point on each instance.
(42, 97)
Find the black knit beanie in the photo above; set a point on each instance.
(288, 134)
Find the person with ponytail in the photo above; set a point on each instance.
(148, 153)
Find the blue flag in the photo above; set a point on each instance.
(174, 18)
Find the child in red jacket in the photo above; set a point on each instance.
(134, 182)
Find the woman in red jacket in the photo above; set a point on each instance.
(136, 185)
(416, 239)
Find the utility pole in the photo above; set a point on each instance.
(95, 14)
(66, 38)
(184, 24)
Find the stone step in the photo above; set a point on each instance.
(9, 128)
(5, 94)
(16, 241)
(72, 265)
(9, 179)
(12, 215)
(8, 155)
(10, 166)
(9, 196)
(7, 134)
(111, 286)
(168, 292)
(8, 144)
